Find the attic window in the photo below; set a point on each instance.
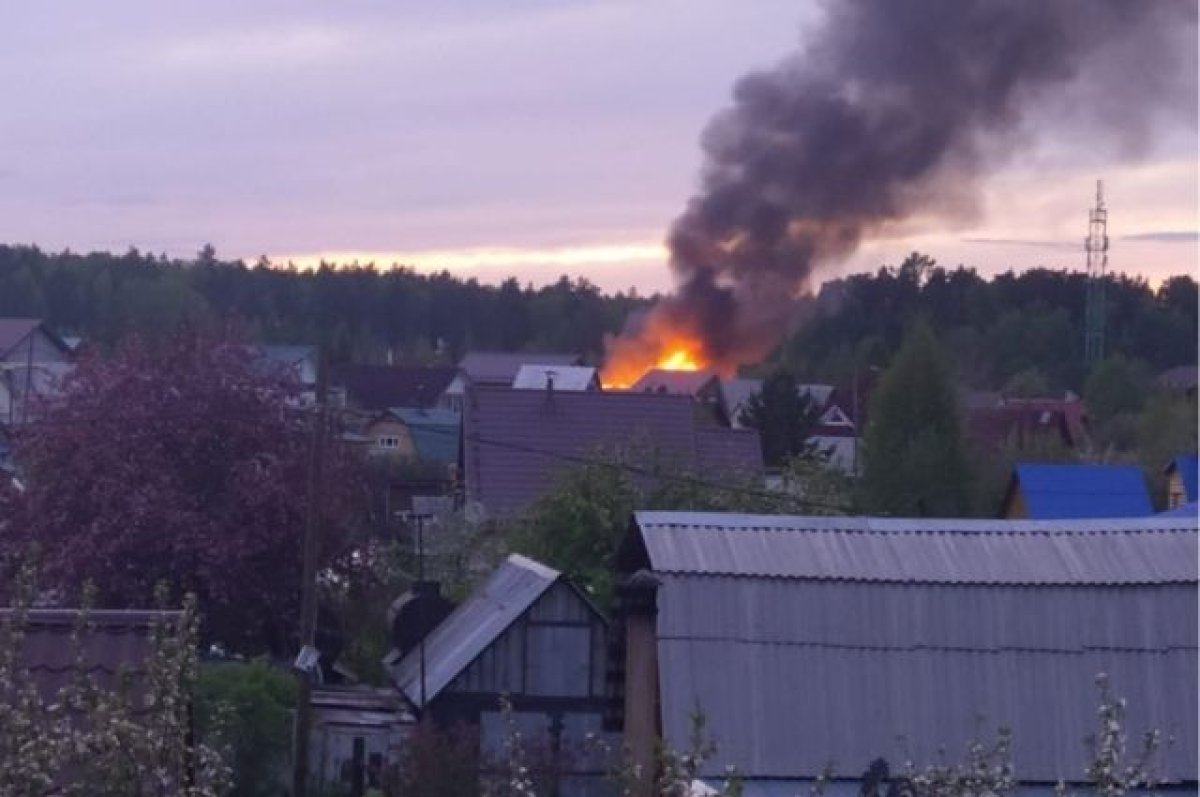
(388, 442)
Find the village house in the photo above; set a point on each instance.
(811, 641)
(836, 433)
(495, 368)
(1051, 491)
(997, 423)
(33, 360)
(528, 636)
(516, 442)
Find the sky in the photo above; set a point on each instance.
(528, 138)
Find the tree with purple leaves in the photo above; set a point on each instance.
(183, 461)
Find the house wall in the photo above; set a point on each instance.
(556, 650)
(550, 664)
(378, 431)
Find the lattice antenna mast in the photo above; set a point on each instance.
(1096, 248)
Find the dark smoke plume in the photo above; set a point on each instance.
(896, 110)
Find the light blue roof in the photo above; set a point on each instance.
(1065, 491)
(435, 432)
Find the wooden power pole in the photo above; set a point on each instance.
(308, 658)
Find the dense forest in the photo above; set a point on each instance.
(1014, 328)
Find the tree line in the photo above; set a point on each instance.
(1018, 331)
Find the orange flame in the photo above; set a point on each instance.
(658, 347)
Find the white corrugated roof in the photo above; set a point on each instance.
(566, 377)
(512, 588)
(1152, 550)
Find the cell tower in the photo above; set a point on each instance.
(1096, 248)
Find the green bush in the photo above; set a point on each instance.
(255, 700)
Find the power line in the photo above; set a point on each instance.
(575, 459)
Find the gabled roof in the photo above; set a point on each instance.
(805, 640)
(1082, 491)
(516, 442)
(15, 330)
(1186, 465)
(495, 367)
(566, 377)
(662, 380)
(435, 432)
(378, 387)
(451, 647)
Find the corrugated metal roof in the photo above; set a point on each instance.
(1083, 491)
(566, 377)
(881, 629)
(1187, 466)
(1152, 550)
(516, 442)
(662, 380)
(501, 367)
(435, 432)
(453, 645)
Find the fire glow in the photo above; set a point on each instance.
(656, 347)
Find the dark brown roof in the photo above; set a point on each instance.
(501, 367)
(116, 641)
(380, 387)
(516, 441)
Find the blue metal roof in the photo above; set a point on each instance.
(1083, 491)
(1187, 466)
(435, 432)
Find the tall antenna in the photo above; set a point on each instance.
(1096, 248)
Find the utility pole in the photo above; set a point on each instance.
(418, 520)
(1095, 247)
(309, 659)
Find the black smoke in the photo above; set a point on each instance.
(897, 108)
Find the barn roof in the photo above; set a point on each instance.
(511, 589)
(1082, 491)
(517, 441)
(847, 634)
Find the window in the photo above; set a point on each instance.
(389, 441)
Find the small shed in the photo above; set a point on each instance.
(527, 634)
(1065, 491)
(356, 733)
